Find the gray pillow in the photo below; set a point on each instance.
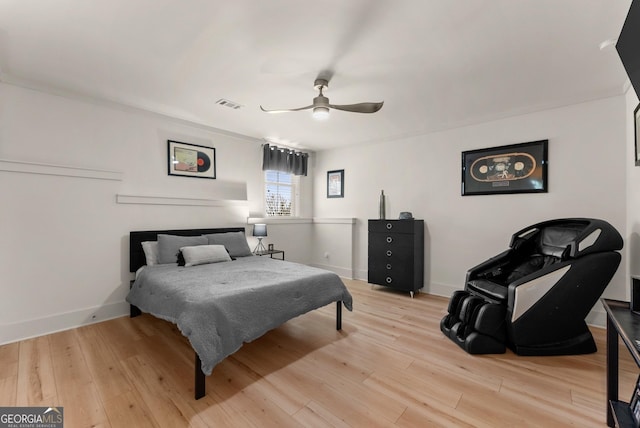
(169, 246)
(235, 243)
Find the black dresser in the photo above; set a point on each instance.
(396, 254)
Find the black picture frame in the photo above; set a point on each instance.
(191, 160)
(335, 183)
(515, 168)
(636, 133)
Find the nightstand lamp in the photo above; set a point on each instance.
(259, 231)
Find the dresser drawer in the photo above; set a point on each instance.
(390, 241)
(401, 258)
(394, 226)
(391, 269)
(402, 280)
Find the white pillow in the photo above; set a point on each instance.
(150, 249)
(202, 254)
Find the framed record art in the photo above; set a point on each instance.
(518, 168)
(190, 160)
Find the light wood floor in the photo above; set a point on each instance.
(390, 366)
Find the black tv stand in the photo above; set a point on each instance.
(625, 324)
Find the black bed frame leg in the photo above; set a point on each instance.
(338, 315)
(199, 379)
(134, 311)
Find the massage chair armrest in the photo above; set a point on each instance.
(527, 280)
(489, 268)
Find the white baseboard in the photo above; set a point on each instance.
(38, 327)
(437, 289)
(340, 271)
(361, 275)
(597, 317)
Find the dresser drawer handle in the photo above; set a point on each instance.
(389, 280)
(389, 226)
(388, 266)
(389, 240)
(389, 253)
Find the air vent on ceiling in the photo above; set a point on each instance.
(227, 103)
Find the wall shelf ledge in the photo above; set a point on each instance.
(170, 200)
(59, 170)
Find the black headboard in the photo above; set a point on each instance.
(136, 238)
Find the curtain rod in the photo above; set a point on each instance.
(284, 146)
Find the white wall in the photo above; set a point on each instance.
(64, 238)
(633, 190)
(326, 243)
(332, 245)
(421, 174)
(291, 235)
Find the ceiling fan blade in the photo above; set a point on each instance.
(359, 108)
(285, 110)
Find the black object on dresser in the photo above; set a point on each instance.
(396, 254)
(623, 323)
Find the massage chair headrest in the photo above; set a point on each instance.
(570, 238)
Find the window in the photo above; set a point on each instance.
(280, 193)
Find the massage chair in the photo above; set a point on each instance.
(534, 297)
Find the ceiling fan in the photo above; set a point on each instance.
(321, 104)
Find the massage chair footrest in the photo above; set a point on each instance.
(476, 343)
(455, 307)
(477, 326)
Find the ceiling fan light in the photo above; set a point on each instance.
(321, 113)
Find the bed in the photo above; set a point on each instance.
(220, 305)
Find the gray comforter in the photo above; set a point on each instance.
(220, 306)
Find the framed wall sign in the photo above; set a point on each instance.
(636, 121)
(518, 168)
(190, 160)
(335, 184)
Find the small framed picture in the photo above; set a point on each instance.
(190, 160)
(335, 184)
(270, 247)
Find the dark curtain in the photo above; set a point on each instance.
(284, 160)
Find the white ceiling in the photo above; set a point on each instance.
(436, 64)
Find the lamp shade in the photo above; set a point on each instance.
(259, 230)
